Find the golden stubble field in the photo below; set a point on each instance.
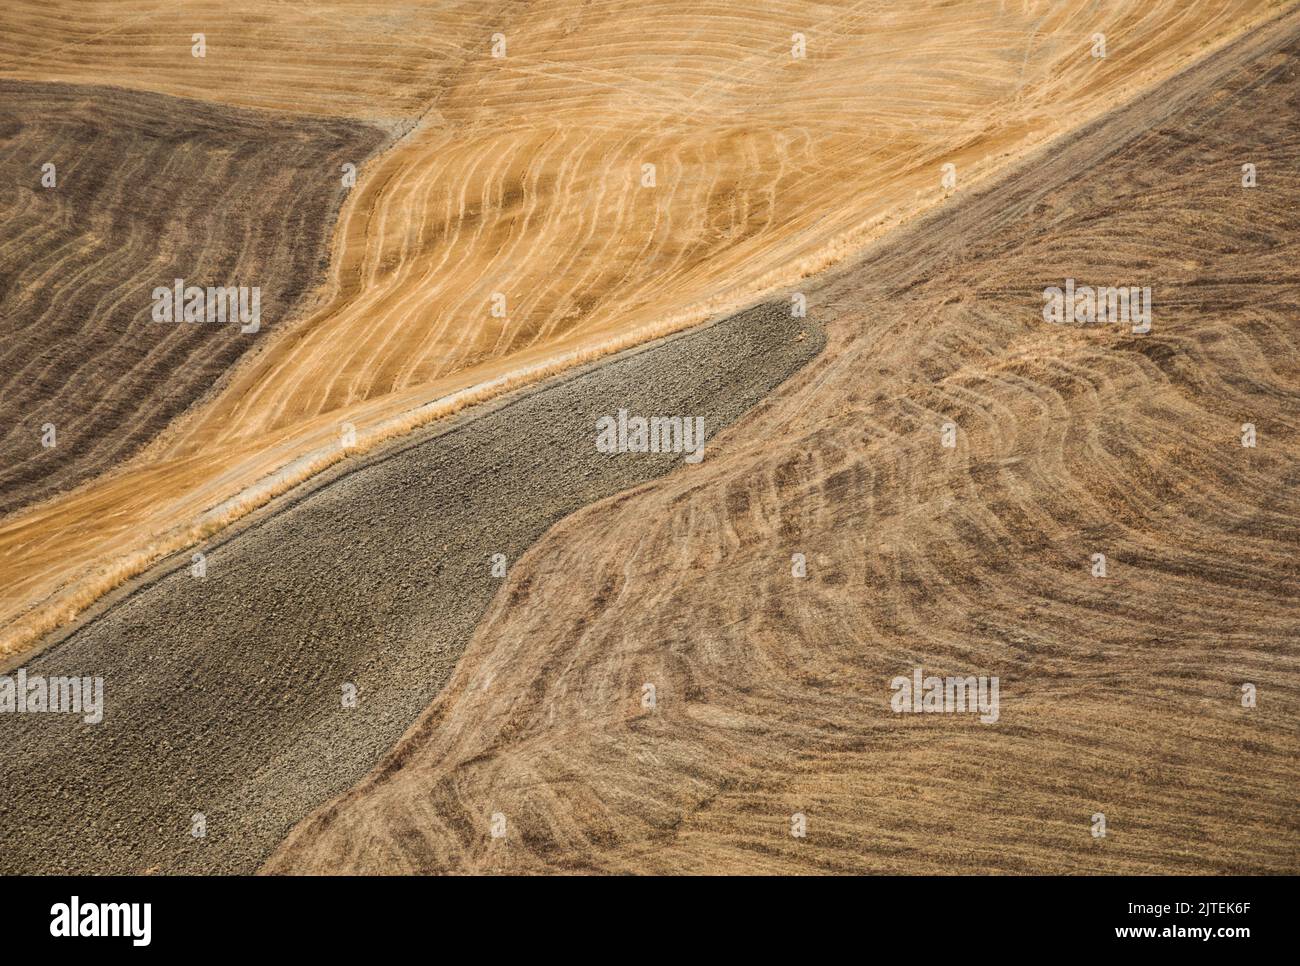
(1123, 691)
(524, 175)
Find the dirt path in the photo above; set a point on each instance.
(224, 694)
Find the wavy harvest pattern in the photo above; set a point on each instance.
(1119, 695)
(521, 176)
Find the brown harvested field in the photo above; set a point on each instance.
(145, 189)
(521, 175)
(1120, 694)
(374, 60)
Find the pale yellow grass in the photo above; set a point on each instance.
(522, 176)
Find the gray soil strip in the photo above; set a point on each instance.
(223, 695)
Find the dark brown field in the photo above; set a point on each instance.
(223, 694)
(1120, 695)
(149, 188)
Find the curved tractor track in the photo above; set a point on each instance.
(522, 178)
(1121, 695)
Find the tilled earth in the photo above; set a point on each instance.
(147, 189)
(224, 695)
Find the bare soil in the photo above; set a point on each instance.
(224, 694)
(148, 189)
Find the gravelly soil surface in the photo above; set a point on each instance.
(224, 694)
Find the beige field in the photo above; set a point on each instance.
(522, 176)
(1124, 692)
